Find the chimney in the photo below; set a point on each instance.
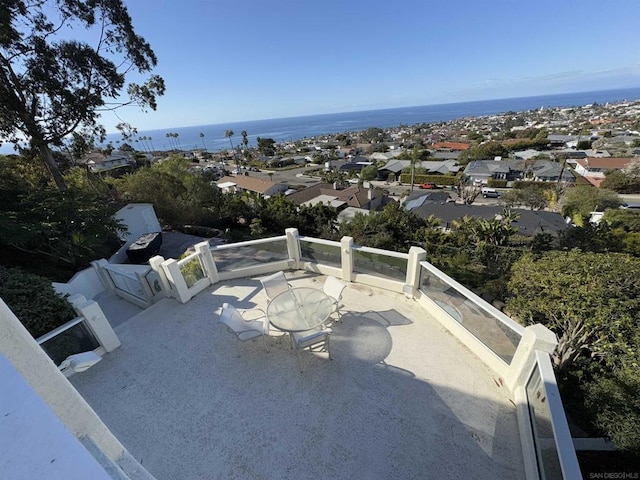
(370, 194)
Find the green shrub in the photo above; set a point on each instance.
(542, 185)
(421, 178)
(34, 301)
(496, 183)
(615, 404)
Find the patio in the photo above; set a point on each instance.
(402, 397)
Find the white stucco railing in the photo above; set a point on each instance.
(515, 353)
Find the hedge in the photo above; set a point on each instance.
(421, 178)
(496, 183)
(34, 301)
(542, 185)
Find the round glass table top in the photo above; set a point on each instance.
(299, 309)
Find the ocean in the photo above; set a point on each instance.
(295, 128)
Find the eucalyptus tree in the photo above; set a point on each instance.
(53, 84)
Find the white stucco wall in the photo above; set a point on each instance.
(34, 442)
(43, 376)
(139, 218)
(86, 282)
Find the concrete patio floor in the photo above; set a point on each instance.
(402, 398)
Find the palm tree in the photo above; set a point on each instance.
(170, 136)
(176, 135)
(229, 134)
(202, 138)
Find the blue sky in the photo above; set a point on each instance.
(257, 59)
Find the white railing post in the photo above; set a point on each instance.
(96, 321)
(104, 276)
(535, 337)
(179, 289)
(293, 246)
(156, 265)
(204, 250)
(346, 254)
(416, 255)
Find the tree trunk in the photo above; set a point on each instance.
(52, 166)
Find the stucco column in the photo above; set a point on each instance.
(416, 255)
(535, 337)
(206, 257)
(346, 255)
(293, 246)
(96, 321)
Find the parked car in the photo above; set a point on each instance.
(490, 193)
(428, 185)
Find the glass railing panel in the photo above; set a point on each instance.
(491, 331)
(542, 427)
(75, 339)
(192, 270)
(379, 264)
(247, 255)
(126, 283)
(321, 253)
(153, 281)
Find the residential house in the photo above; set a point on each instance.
(99, 162)
(445, 154)
(481, 171)
(529, 223)
(340, 198)
(245, 183)
(395, 167)
(593, 168)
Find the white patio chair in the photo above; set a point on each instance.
(274, 285)
(316, 340)
(334, 288)
(244, 329)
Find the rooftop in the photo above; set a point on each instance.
(401, 397)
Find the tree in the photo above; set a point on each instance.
(266, 146)
(484, 151)
(202, 138)
(228, 134)
(373, 135)
(52, 86)
(67, 227)
(368, 173)
(581, 200)
(590, 300)
(179, 196)
(531, 196)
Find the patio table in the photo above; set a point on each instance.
(300, 309)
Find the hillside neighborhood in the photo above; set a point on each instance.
(561, 146)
